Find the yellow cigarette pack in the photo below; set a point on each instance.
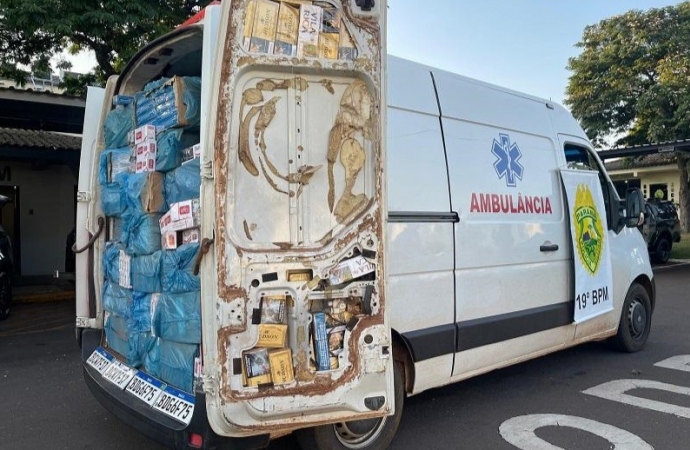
(265, 25)
(281, 366)
(286, 34)
(249, 15)
(272, 335)
(328, 45)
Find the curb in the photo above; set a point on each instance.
(673, 264)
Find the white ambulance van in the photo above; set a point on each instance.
(318, 257)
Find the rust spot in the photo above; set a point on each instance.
(328, 85)
(270, 180)
(283, 245)
(246, 61)
(244, 152)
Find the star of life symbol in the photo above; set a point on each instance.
(508, 156)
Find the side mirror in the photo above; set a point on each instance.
(634, 208)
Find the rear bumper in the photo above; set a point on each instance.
(151, 423)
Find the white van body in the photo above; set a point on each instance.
(477, 254)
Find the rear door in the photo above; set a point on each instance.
(294, 310)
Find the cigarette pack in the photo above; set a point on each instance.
(330, 20)
(328, 45)
(249, 15)
(309, 27)
(286, 34)
(272, 335)
(181, 216)
(320, 338)
(144, 133)
(146, 156)
(256, 363)
(350, 269)
(281, 366)
(273, 310)
(265, 25)
(190, 153)
(347, 49)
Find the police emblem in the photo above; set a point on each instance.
(589, 230)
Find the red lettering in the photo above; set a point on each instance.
(474, 205)
(505, 205)
(485, 200)
(512, 206)
(529, 205)
(521, 205)
(537, 205)
(495, 203)
(547, 206)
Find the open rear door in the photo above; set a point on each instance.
(294, 307)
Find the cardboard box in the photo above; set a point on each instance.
(146, 156)
(272, 335)
(181, 216)
(170, 240)
(280, 361)
(309, 28)
(287, 31)
(329, 45)
(265, 26)
(151, 194)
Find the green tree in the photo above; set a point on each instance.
(32, 32)
(632, 79)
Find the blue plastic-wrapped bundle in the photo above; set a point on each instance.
(183, 183)
(177, 364)
(143, 234)
(144, 193)
(146, 272)
(112, 176)
(170, 102)
(151, 359)
(139, 316)
(177, 317)
(140, 346)
(170, 144)
(177, 270)
(118, 123)
(116, 299)
(117, 264)
(115, 333)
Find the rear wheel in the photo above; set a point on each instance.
(5, 296)
(371, 434)
(636, 320)
(663, 250)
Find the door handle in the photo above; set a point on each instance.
(548, 247)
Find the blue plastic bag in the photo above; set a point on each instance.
(143, 234)
(151, 359)
(139, 316)
(113, 266)
(177, 364)
(144, 193)
(116, 299)
(140, 346)
(177, 270)
(177, 317)
(146, 272)
(112, 200)
(116, 334)
(157, 105)
(114, 165)
(183, 183)
(118, 123)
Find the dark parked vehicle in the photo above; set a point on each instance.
(661, 229)
(6, 268)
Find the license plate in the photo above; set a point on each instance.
(118, 373)
(99, 360)
(176, 404)
(145, 387)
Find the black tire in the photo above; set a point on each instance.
(636, 320)
(372, 434)
(662, 251)
(5, 297)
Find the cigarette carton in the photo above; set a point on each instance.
(309, 28)
(280, 361)
(265, 25)
(286, 34)
(256, 363)
(273, 310)
(144, 133)
(249, 15)
(350, 269)
(320, 338)
(272, 335)
(328, 45)
(330, 20)
(146, 156)
(181, 216)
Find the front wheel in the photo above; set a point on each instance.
(663, 251)
(370, 434)
(636, 320)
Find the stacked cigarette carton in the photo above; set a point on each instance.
(302, 28)
(270, 361)
(151, 297)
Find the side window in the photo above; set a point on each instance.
(580, 158)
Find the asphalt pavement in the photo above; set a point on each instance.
(46, 405)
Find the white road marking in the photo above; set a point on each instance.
(681, 362)
(519, 431)
(616, 391)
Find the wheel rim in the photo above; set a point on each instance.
(359, 434)
(637, 319)
(663, 251)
